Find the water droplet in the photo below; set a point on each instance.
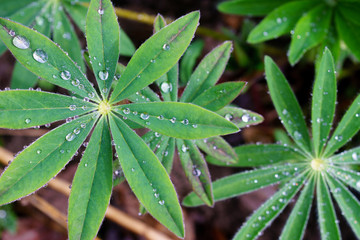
(161, 117)
(3, 214)
(166, 47)
(85, 164)
(38, 151)
(144, 116)
(156, 195)
(104, 90)
(83, 125)
(338, 138)
(40, 56)
(173, 120)
(194, 126)
(39, 20)
(71, 136)
(101, 11)
(358, 184)
(72, 107)
(103, 75)
(65, 75)
(297, 135)
(161, 202)
(76, 131)
(229, 117)
(196, 172)
(185, 121)
(157, 134)
(166, 87)
(276, 175)
(12, 33)
(184, 148)
(21, 42)
(354, 156)
(133, 169)
(278, 20)
(91, 95)
(245, 118)
(126, 111)
(284, 112)
(265, 33)
(75, 82)
(27, 120)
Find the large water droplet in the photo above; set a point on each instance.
(185, 121)
(101, 11)
(76, 131)
(72, 107)
(144, 116)
(245, 118)
(75, 82)
(229, 116)
(40, 56)
(126, 111)
(161, 202)
(103, 75)
(166, 47)
(27, 120)
(21, 42)
(71, 136)
(166, 87)
(65, 75)
(196, 172)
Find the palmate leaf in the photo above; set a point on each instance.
(348, 157)
(156, 56)
(240, 117)
(250, 7)
(286, 105)
(245, 182)
(43, 159)
(25, 109)
(261, 155)
(296, 223)
(92, 185)
(270, 209)
(329, 227)
(103, 39)
(218, 149)
(310, 30)
(280, 21)
(323, 101)
(196, 170)
(147, 177)
(52, 63)
(177, 119)
(348, 203)
(207, 72)
(346, 129)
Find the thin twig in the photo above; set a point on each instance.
(112, 213)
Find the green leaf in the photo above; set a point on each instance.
(310, 30)
(188, 61)
(92, 185)
(245, 182)
(329, 227)
(127, 47)
(218, 96)
(217, 148)
(159, 23)
(323, 101)
(265, 214)
(281, 136)
(196, 170)
(348, 157)
(179, 120)
(350, 11)
(286, 105)
(349, 33)
(43, 159)
(156, 56)
(207, 72)
(147, 177)
(8, 8)
(103, 39)
(57, 62)
(24, 109)
(78, 14)
(250, 7)
(168, 84)
(296, 223)
(346, 129)
(280, 21)
(347, 176)
(347, 202)
(261, 155)
(167, 157)
(332, 42)
(144, 95)
(17, 79)
(240, 117)
(118, 174)
(65, 35)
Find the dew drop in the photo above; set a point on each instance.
(194, 126)
(65, 75)
(173, 120)
(72, 107)
(21, 42)
(144, 116)
(133, 169)
(196, 172)
(157, 134)
(83, 125)
(40, 56)
(358, 184)
(166, 87)
(75, 82)
(126, 111)
(156, 195)
(166, 47)
(185, 121)
(101, 11)
(184, 148)
(161, 117)
(161, 202)
(38, 151)
(27, 120)
(103, 75)
(245, 118)
(354, 156)
(297, 135)
(76, 131)
(228, 117)
(71, 136)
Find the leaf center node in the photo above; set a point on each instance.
(104, 107)
(318, 164)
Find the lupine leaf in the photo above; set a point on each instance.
(179, 120)
(103, 39)
(168, 84)
(196, 170)
(147, 177)
(269, 210)
(92, 185)
(347, 202)
(207, 72)
(168, 156)
(310, 30)
(347, 176)
(280, 21)
(217, 148)
(250, 7)
(144, 95)
(218, 96)
(9, 7)
(156, 56)
(348, 157)
(245, 182)
(240, 117)
(346, 129)
(17, 79)
(57, 62)
(78, 14)
(24, 109)
(350, 11)
(43, 159)
(296, 223)
(349, 33)
(260, 155)
(329, 227)
(323, 101)
(188, 61)
(286, 105)
(281, 136)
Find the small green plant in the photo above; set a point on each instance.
(305, 167)
(106, 112)
(311, 23)
(51, 19)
